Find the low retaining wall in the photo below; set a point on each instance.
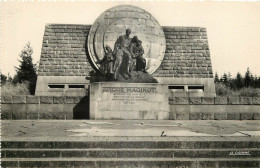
(181, 108)
(44, 107)
(214, 108)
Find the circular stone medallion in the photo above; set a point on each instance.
(113, 23)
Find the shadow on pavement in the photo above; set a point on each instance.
(81, 110)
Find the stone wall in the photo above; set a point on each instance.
(181, 108)
(29, 99)
(187, 54)
(214, 100)
(64, 52)
(44, 107)
(217, 108)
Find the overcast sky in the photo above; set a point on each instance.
(233, 28)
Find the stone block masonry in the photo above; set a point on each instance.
(180, 108)
(65, 60)
(187, 53)
(139, 101)
(29, 99)
(64, 52)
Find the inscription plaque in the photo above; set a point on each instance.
(130, 95)
(128, 101)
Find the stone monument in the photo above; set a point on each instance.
(176, 59)
(135, 35)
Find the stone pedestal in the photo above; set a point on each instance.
(135, 101)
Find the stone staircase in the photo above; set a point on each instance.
(114, 152)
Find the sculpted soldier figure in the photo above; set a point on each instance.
(108, 61)
(138, 55)
(133, 51)
(127, 51)
(118, 61)
(122, 45)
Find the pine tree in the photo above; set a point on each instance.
(239, 81)
(258, 82)
(248, 78)
(9, 78)
(229, 76)
(216, 79)
(229, 79)
(3, 79)
(26, 70)
(252, 80)
(221, 79)
(225, 79)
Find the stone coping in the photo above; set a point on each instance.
(30, 99)
(215, 100)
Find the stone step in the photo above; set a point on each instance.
(131, 162)
(131, 153)
(167, 144)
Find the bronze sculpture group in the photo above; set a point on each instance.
(126, 57)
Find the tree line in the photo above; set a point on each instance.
(239, 82)
(26, 72)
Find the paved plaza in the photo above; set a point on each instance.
(49, 130)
